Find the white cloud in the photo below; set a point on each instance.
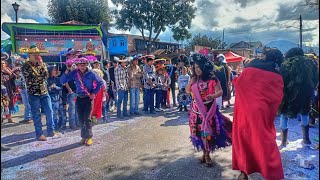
(6, 18)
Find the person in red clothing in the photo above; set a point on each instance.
(259, 93)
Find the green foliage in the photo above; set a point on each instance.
(88, 11)
(151, 17)
(300, 76)
(206, 41)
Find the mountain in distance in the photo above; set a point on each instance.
(285, 45)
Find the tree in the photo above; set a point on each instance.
(151, 17)
(199, 40)
(88, 11)
(313, 4)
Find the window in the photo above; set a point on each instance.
(114, 43)
(122, 43)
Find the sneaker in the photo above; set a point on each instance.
(83, 141)
(54, 133)
(161, 109)
(157, 110)
(42, 138)
(89, 142)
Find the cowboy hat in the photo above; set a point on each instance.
(81, 60)
(222, 58)
(121, 59)
(162, 61)
(70, 51)
(32, 50)
(89, 53)
(4, 56)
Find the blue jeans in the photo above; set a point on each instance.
(114, 101)
(149, 100)
(144, 99)
(122, 97)
(284, 120)
(43, 101)
(25, 101)
(105, 110)
(159, 98)
(134, 100)
(56, 105)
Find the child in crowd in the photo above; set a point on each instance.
(162, 84)
(55, 92)
(4, 103)
(183, 81)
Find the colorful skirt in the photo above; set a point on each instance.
(221, 130)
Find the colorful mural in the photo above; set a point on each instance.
(56, 44)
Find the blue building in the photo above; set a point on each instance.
(118, 45)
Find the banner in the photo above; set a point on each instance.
(56, 44)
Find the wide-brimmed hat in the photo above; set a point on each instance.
(222, 58)
(89, 53)
(81, 60)
(70, 51)
(161, 61)
(32, 50)
(122, 59)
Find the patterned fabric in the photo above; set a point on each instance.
(8, 80)
(4, 97)
(36, 78)
(121, 78)
(149, 72)
(162, 81)
(135, 75)
(21, 82)
(220, 125)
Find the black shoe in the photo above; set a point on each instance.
(186, 109)
(5, 148)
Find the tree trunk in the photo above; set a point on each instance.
(149, 48)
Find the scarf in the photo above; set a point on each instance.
(201, 107)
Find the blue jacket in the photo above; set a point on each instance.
(87, 81)
(55, 92)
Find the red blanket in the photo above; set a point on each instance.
(254, 148)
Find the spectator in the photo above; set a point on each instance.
(135, 75)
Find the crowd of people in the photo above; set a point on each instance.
(86, 90)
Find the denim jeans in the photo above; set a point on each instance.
(45, 102)
(149, 99)
(84, 107)
(144, 99)
(122, 97)
(25, 101)
(159, 96)
(134, 100)
(284, 120)
(105, 110)
(173, 92)
(56, 105)
(114, 101)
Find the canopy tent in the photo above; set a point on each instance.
(233, 57)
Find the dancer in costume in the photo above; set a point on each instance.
(223, 74)
(210, 130)
(300, 77)
(259, 93)
(86, 91)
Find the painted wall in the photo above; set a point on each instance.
(118, 45)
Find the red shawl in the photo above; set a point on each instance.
(97, 104)
(254, 148)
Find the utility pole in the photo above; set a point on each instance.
(223, 39)
(300, 31)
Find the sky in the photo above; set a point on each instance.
(241, 20)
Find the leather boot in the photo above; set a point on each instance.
(305, 134)
(284, 141)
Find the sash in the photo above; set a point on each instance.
(81, 83)
(201, 107)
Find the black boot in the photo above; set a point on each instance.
(185, 108)
(180, 107)
(284, 141)
(305, 134)
(5, 148)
